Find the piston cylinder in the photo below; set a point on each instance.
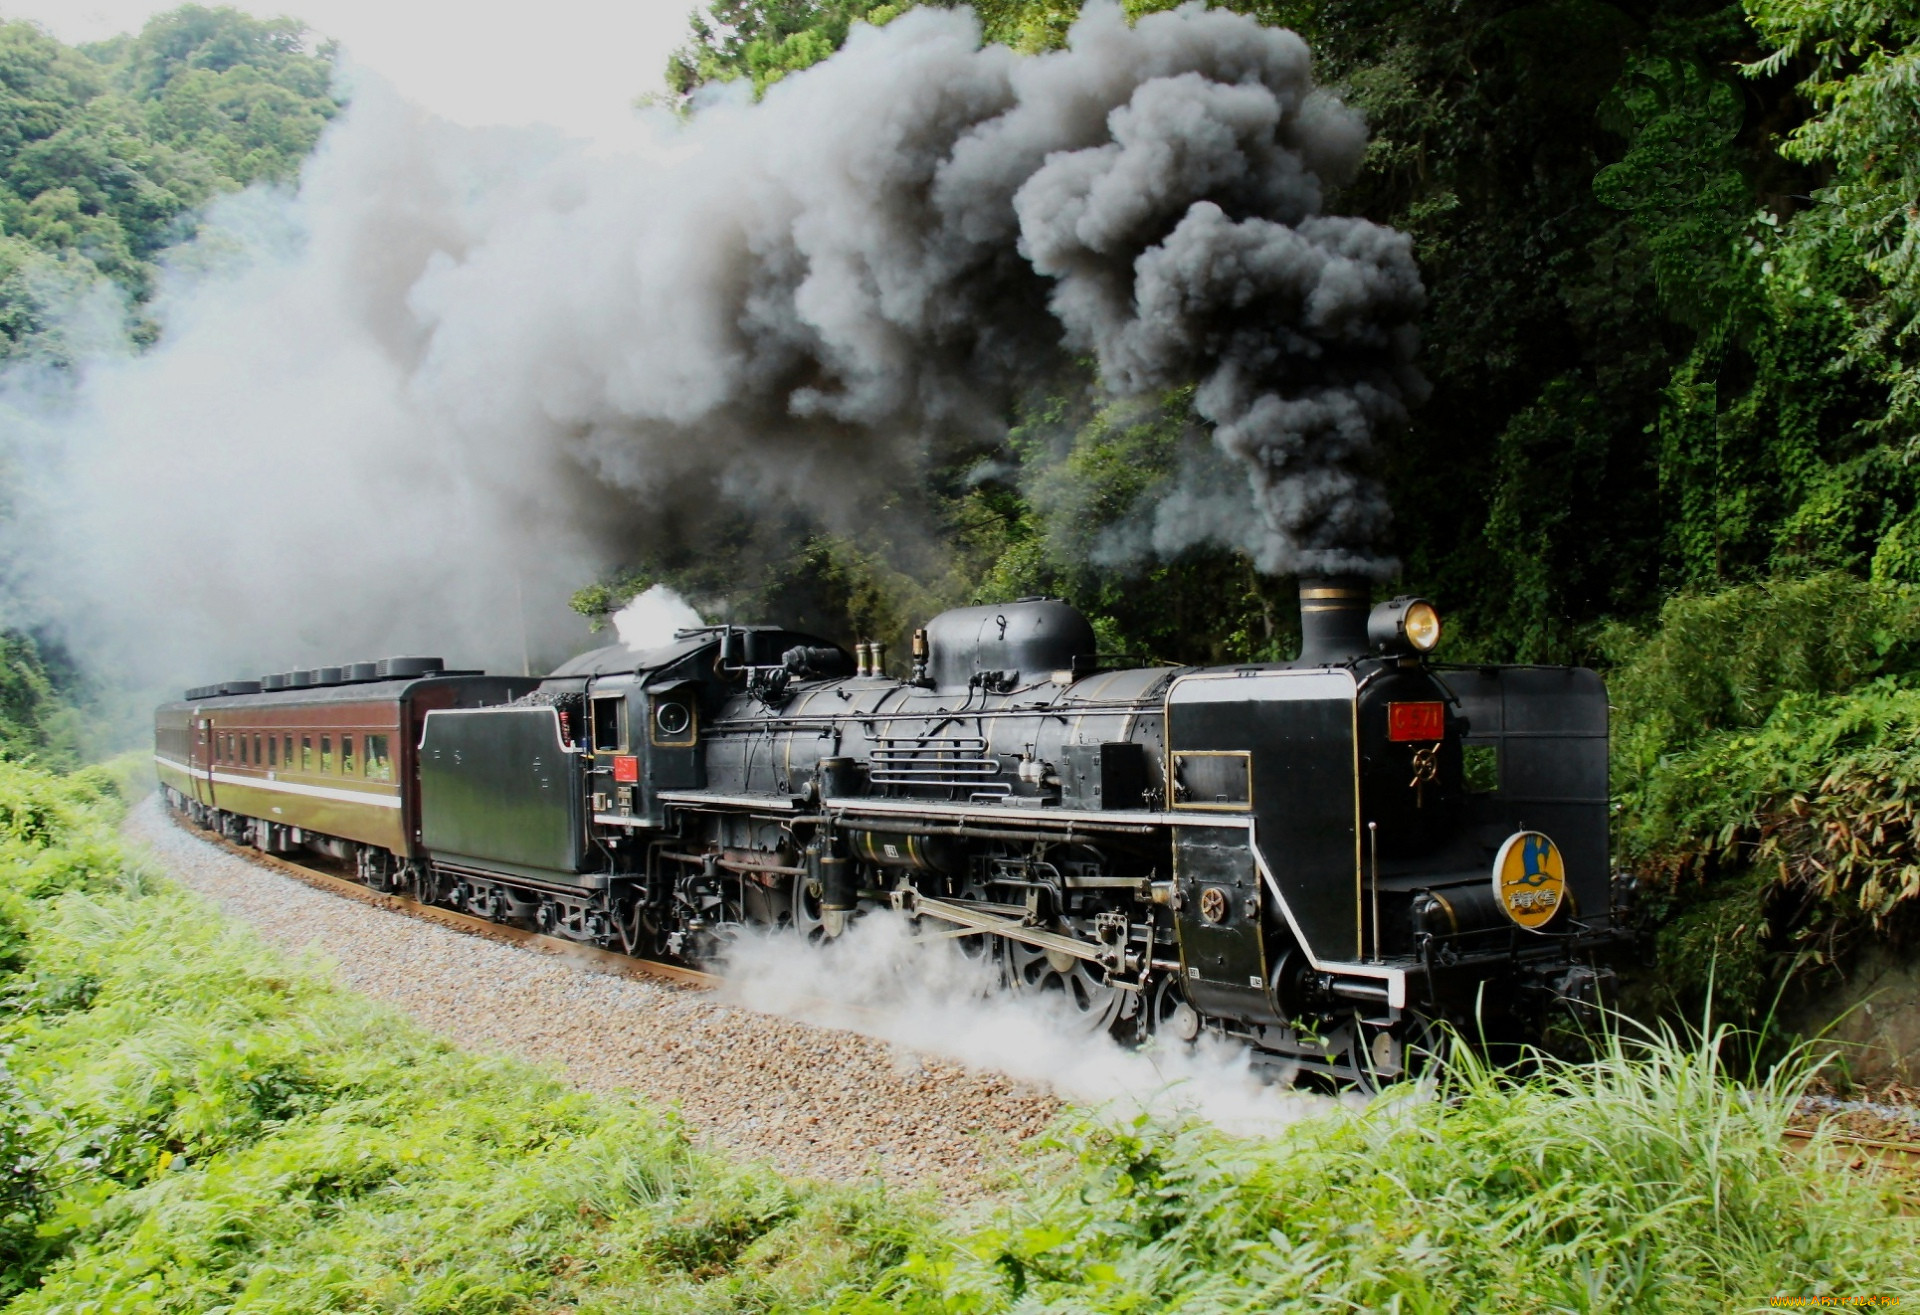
(839, 893)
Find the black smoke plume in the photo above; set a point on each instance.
(462, 369)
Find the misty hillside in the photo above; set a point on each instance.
(108, 151)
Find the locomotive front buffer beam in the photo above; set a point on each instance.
(1110, 955)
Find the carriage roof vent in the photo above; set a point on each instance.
(398, 668)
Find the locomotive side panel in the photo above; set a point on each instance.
(1278, 747)
(1222, 952)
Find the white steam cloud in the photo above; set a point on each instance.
(463, 371)
(880, 980)
(652, 617)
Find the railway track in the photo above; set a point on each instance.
(1864, 1152)
(586, 956)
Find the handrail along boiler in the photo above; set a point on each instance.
(1319, 857)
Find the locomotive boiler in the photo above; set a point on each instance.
(1321, 858)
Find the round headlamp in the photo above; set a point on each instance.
(1421, 625)
(1403, 626)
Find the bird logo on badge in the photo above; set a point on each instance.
(1530, 879)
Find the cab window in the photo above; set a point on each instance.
(609, 725)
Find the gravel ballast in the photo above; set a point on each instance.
(813, 1101)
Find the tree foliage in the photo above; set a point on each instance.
(1649, 365)
(108, 150)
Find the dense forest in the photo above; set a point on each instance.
(1670, 337)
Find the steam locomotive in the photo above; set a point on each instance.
(1320, 858)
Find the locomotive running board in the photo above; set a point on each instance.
(912, 903)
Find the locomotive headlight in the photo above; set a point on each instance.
(1422, 626)
(1404, 625)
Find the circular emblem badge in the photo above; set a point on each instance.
(1529, 879)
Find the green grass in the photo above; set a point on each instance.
(199, 1124)
(1649, 1179)
(192, 1122)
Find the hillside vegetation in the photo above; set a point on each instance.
(191, 1122)
(108, 151)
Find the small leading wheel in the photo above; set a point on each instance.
(1170, 1016)
(1416, 1047)
(1091, 1004)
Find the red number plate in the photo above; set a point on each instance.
(1416, 721)
(626, 768)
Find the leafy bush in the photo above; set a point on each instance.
(1765, 756)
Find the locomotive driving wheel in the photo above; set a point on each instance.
(1091, 1004)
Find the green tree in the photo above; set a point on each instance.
(107, 151)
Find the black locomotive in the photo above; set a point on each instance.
(1318, 857)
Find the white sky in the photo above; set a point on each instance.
(576, 64)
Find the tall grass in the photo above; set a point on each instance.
(1646, 1179)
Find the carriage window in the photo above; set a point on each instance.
(256, 751)
(346, 755)
(286, 752)
(306, 753)
(608, 725)
(1212, 780)
(326, 753)
(379, 766)
(273, 743)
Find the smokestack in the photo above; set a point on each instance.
(1333, 618)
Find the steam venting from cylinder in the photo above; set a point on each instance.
(1333, 618)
